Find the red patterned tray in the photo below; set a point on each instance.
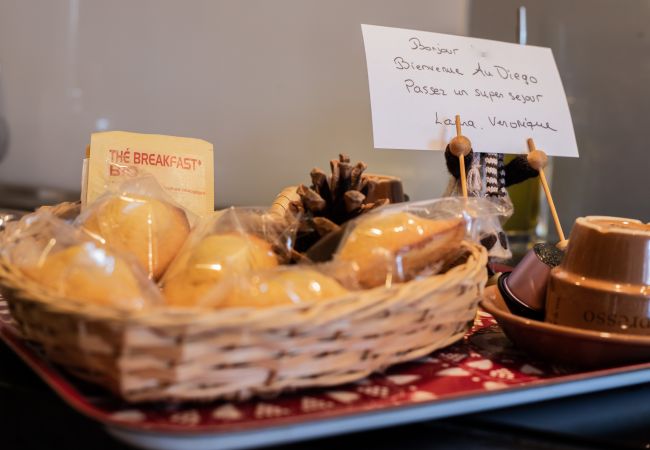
(480, 372)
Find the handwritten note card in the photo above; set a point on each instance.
(504, 93)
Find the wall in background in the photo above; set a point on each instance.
(278, 86)
(602, 49)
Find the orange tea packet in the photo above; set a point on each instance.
(183, 166)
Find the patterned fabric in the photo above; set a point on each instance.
(483, 362)
(495, 175)
(475, 176)
(491, 175)
(501, 167)
(486, 177)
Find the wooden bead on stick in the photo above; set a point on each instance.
(547, 191)
(460, 146)
(537, 159)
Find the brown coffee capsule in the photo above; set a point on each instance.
(524, 289)
(603, 283)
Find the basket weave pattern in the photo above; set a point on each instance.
(177, 355)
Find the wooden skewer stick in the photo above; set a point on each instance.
(538, 160)
(461, 160)
(461, 146)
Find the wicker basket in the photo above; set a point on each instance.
(179, 355)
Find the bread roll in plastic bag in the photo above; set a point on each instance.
(278, 286)
(401, 242)
(66, 263)
(140, 218)
(233, 241)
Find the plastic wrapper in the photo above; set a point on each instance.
(67, 263)
(66, 211)
(8, 217)
(401, 242)
(493, 238)
(279, 286)
(233, 241)
(139, 217)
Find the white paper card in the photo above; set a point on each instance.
(504, 93)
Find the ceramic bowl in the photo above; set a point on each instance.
(603, 282)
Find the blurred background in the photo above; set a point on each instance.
(281, 86)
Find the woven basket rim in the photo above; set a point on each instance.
(27, 290)
(167, 354)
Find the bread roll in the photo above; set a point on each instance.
(91, 274)
(213, 258)
(398, 245)
(294, 285)
(150, 229)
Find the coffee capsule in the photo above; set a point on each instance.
(524, 289)
(603, 283)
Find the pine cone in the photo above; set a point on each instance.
(341, 196)
(331, 201)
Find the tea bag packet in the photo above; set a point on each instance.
(65, 263)
(84, 178)
(140, 218)
(183, 166)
